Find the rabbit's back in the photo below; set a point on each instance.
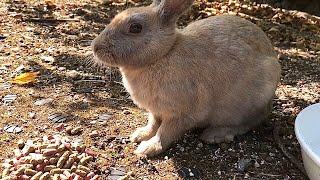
(228, 32)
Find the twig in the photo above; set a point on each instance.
(264, 174)
(288, 155)
(43, 20)
(91, 80)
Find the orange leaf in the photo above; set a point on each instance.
(25, 78)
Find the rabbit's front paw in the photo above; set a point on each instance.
(141, 134)
(149, 148)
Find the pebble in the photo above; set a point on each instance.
(57, 118)
(21, 143)
(126, 112)
(94, 134)
(9, 98)
(42, 102)
(244, 164)
(32, 115)
(12, 129)
(5, 86)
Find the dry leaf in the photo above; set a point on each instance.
(25, 78)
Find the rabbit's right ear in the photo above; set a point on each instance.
(156, 2)
(170, 10)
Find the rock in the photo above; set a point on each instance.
(117, 173)
(5, 86)
(94, 134)
(43, 102)
(187, 173)
(12, 129)
(62, 68)
(47, 59)
(31, 115)
(57, 118)
(9, 98)
(273, 30)
(126, 112)
(20, 68)
(244, 164)
(20, 143)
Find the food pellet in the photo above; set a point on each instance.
(20, 171)
(81, 173)
(76, 130)
(49, 152)
(37, 176)
(68, 163)
(49, 167)
(45, 176)
(61, 148)
(85, 160)
(63, 159)
(56, 177)
(24, 177)
(53, 160)
(40, 160)
(5, 172)
(83, 168)
(30, 172)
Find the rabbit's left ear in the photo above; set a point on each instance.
(170, 10)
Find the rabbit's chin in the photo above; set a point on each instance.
(105, 60)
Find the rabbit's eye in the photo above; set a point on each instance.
(135, 28)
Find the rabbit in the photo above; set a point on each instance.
(219, 73)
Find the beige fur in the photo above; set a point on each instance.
(218, 73)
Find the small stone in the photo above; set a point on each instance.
(57, 118)
(9, 98)
(244, 164)
(5, 86)
(20, 68)
(47, 59)
(104, 116)
(31, 115)
(21, 143)
(94, 134)
(117, 173)
(273, 30)
(62, 68)
(126, 112)
(43, 102)
(12, 129)
(187, 173)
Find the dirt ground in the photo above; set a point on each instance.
(53, 37)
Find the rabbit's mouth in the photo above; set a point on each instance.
(103, 56)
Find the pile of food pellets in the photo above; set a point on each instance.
(49, 158)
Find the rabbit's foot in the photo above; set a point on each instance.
(218, 135)
(149, 148)
(141, 134)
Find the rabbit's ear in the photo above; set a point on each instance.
(170, 10)
(156, 2)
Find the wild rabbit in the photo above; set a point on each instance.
(219, 73)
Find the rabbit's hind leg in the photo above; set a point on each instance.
(148, 131)
(213, 135)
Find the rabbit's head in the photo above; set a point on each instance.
(139, 36)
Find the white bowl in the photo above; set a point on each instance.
(307, 129)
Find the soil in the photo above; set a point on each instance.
(53, 37)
